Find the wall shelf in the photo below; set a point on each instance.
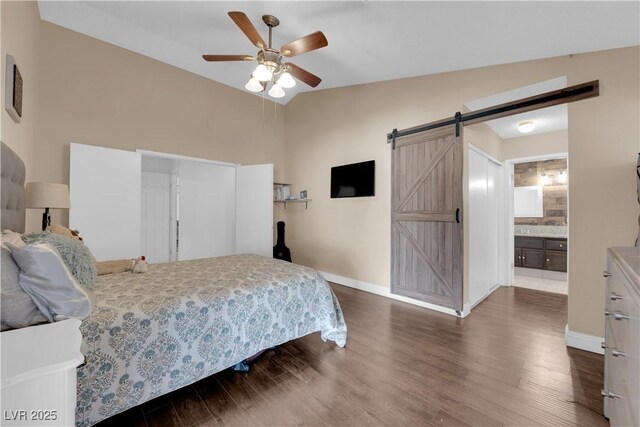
(305, 201)
(282, 191)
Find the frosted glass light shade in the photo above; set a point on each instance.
(526, 126)
(286, 81)
(40, 195)
(254, 85)
(276, 91)
(262, 73)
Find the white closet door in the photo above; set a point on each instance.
(156, 217)
(254, 209)
(104, 187)
(478, 232)
(207, 206)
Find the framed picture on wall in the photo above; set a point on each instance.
(13, 90)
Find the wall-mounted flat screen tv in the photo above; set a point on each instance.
(354, 180)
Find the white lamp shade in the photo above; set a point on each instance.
(254, 85)
(40, 195)
(276, 91)
(262, 73)
(286, 81)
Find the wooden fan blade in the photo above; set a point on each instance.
(305, 44)
(247, 28)
(216, 58)
(303, 75)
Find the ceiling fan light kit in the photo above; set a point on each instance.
(270, 67)
(276, 91)
(262, 73)
(286, 81)
(254, 85)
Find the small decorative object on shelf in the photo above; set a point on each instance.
(282, 194)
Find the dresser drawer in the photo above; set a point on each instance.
(619, 295)
(623, 384)
(622, 337)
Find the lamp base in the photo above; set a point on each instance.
(46, 219)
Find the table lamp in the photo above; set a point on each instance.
(46, 195)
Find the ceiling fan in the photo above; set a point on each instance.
(270, 66)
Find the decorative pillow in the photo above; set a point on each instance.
(64, 231)
(12, 237)
(116, 266)
(48, 281)
(74, 254)
(17, 309)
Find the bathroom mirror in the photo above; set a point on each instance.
(527, 202)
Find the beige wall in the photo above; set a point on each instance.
(20, 37)
(95, 93)
(536, 145)
(604, 140)
(350, 237)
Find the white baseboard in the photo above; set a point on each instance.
(386, 292)
(583, 341)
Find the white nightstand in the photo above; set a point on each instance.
(39, 374)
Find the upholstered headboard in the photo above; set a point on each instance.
(12, 203)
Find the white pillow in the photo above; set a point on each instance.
(12, 237)
(45, 277)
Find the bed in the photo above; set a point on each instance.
(152, 333)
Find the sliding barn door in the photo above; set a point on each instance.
(426, 232)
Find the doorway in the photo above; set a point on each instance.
(540, 200)
(498, 110)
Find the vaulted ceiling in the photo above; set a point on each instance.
(368, 41)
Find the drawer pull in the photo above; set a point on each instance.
(614, 296)
(616, 315)
(607, 274)
(610, 394)
(604, 345)
(560, 244)
(617, 353)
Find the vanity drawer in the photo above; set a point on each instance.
(529, 242)
(556, 244)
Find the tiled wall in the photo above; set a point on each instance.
(555, 193)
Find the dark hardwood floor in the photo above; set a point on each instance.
(505, 364)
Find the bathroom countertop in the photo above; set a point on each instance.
(550, 231)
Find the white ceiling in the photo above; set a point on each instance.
(368, 41)
(547, 119)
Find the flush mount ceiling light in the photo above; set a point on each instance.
(526, 126)
(271, 69)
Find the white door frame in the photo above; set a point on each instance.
(509, 180)
(179, 157)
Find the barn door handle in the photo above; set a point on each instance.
(458, 215)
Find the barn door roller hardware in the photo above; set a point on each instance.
(548, 99)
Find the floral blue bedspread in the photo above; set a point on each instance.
(151, 333)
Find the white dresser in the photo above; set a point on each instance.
(39, 374)
(622, 337)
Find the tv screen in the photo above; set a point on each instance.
(354, 180)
